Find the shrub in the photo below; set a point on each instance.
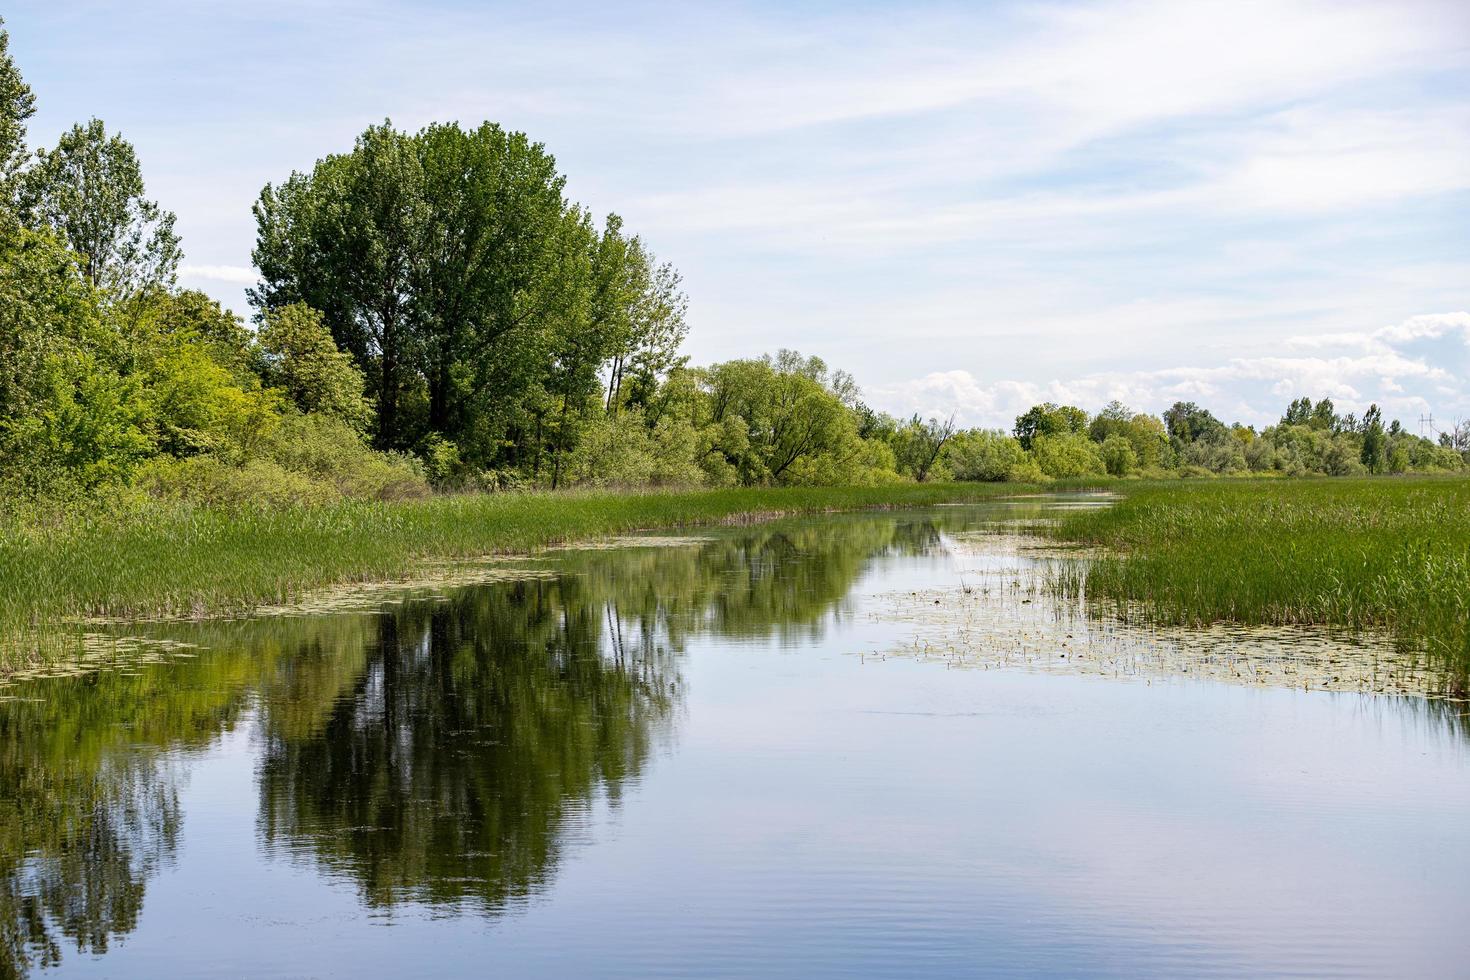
(621, 451)
(302, 359)
(210, 480)
(329, 450)
(1118, 455)
(1067, 455)
(989, 456)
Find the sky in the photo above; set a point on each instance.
(972, 207)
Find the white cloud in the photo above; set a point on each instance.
(236, 274)
(1429, 326)
(1063, 189)
(1258, 387)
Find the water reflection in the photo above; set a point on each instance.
(450, 768)
(441, 752)
(90, 771)
(450, 751)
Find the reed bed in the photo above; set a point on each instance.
(151, 559)
(1372, 553)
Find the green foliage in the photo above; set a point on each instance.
(89, 189)
(785, 419)
(1145, 433)
(986, 455)
(328, 449)
(621, 451)
(191, 402)
(918, 445)
(1360, 553)
(213, 481)
(1118, 455)
(440, 261)
(1068, 454)
(301, 359)
(56, 367)
(1049, 419)
(17, 105)
(1216, 450)
(308, 460)
(1187, 423)
(1374, 453)
(85, 426)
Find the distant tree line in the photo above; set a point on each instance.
(1059, 441)
(433, 312)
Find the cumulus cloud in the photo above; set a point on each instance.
(1255, 388)
(1428, 326)
(1061, 188)
(236, 274)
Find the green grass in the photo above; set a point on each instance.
(167, 559)
(1372, 553)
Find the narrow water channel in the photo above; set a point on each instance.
(858, 745)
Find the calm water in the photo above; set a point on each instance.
(722, 756)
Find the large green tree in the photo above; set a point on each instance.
(1049, 419)
(17, 105)
(89, 190)
(345, 240)
(439, 260)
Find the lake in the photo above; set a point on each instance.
(857, 745)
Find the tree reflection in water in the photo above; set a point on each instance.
(441, 752)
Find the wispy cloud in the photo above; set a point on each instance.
(1378, 372)
(235, 274)
(1100, 191)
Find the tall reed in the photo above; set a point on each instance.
(1385, 553)
(150, 558)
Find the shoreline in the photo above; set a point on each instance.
(161, 560)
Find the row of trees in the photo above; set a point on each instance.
(1057, 441)
(433, 311)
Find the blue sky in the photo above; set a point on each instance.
(969, 206)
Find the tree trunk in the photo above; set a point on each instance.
(561, 435)
(439, 394)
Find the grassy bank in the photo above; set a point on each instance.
(163, 559)
(1360, 553)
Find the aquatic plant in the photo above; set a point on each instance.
(1388, 554)
(153, 558)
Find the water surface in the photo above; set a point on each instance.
(750, 752)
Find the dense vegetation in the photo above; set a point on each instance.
(1357, 553)
(175, 558)
(433, 313)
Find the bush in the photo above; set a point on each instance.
(988, 456)
(329, 450)
(210, 480)
(1026, 471)
(622, 451)
(1118, 455)
(1222, 453)
(309, 460)
(1067, 455)
(302, 359)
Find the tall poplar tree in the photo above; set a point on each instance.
(89, 190)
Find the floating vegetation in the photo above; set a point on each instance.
(435, 579)
(93, 652)
(635, 541)
(1384, 555)
(1004, 612)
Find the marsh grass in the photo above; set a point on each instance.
(150, 559)
(1384, 553)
